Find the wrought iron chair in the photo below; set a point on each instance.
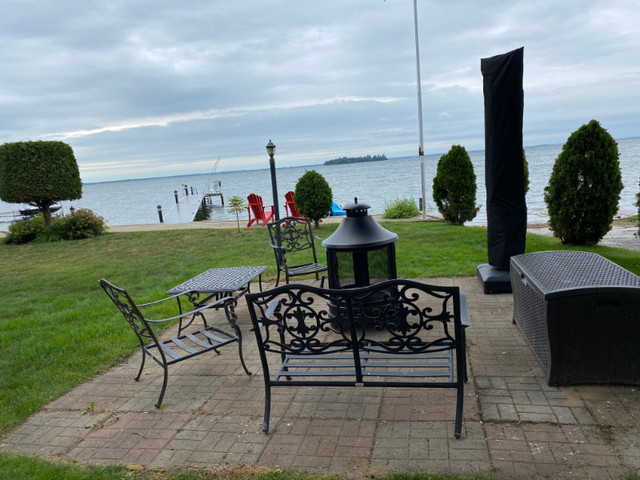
(291, 238)
(188, 344)
(257, 208)
(290, 205)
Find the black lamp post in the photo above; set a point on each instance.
(271, 150)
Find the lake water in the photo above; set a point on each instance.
(132, 202)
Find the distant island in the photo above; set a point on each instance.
(368, 158)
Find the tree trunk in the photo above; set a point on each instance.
(45, 208)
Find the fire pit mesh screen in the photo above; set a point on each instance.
(378, 267)
(346, 276)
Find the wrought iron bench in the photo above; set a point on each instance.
(191, 341)
(398, 333)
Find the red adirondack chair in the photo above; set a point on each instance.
(290, 205)
(258, 209)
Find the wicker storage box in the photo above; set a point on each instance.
(581, 315)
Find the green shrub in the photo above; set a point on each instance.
(26, 230)
(82, 223)
(584, 188)
(52, 233)
(203, 213)
(405, 208)
(454, 186)
(313, 196)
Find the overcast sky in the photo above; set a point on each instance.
(143, 88)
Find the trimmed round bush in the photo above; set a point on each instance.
(584, 188)
(82, 223)
(405, 208)
(313, 196)
(42, 172)
(454, 186)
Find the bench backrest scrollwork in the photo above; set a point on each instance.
(395, 317)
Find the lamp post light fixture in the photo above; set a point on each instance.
(271, 150)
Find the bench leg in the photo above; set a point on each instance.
(457, 431)
(267, 407)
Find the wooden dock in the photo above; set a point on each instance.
(184, 211)
(188, 201)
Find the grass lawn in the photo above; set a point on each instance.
(22, 468)
(58, 328)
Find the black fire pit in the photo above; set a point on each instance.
(360, 253)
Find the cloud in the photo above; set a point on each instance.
(167, 120)
(151, 88)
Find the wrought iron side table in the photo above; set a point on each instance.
(217, 283)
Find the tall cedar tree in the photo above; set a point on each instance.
(584, 188)
(313, 196)
(454, 186)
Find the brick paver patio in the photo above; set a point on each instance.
(515, 426)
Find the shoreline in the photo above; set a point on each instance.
(622, 234)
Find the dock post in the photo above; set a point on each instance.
(175, 194)
(160, 213)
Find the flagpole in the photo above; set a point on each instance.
(421, 147)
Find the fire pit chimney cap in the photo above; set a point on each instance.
(358, 230)
(356, 209)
